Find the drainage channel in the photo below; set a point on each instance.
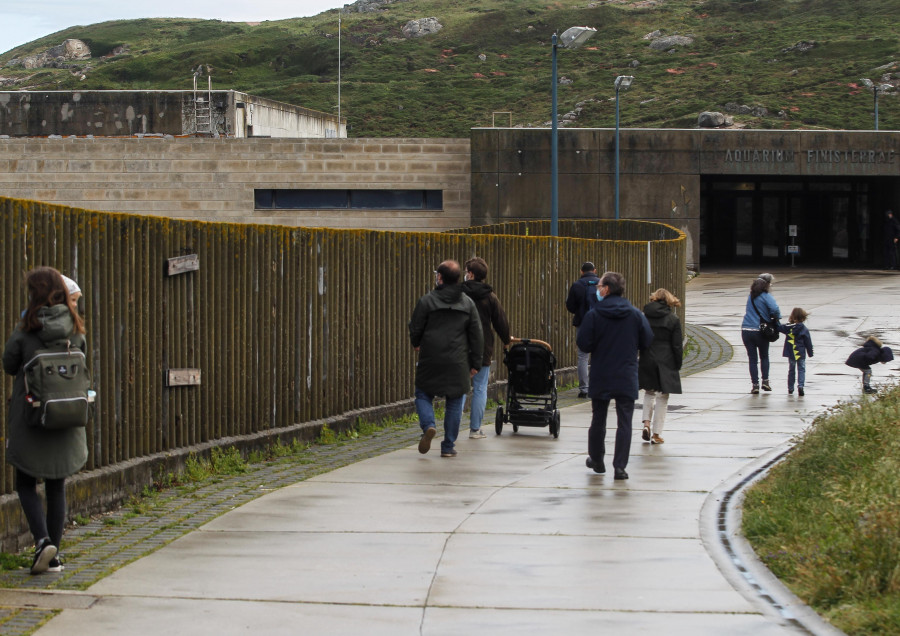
(737, 560)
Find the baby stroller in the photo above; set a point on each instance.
(531, 389)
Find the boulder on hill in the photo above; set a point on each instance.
(712, 119)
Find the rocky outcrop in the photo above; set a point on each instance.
(56, 57)
(667, 42)
(367, 6)
(743, 109)
(421, 27)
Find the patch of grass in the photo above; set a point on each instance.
(14, 561)
(826, 520)
(689, 347)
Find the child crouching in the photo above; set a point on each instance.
(863, 358)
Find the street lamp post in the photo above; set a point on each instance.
(571, 38)
(622, 83)
(875, 88)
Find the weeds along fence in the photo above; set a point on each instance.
(199, 332)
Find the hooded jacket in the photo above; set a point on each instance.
(582, 295)
(491, 314)
(613, 332)
(660, 363)
(871, 352)
(36, 451)
(446, 329)
(797, 343)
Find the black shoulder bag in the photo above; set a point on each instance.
(768, 329)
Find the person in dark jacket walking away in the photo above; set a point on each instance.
(891, 239)
(659, 365)
(446, 331)
(492, 316)
(761, 306)
(863, 358)
(36, 452)
(797, 347)
(613, 332)
(582, 296)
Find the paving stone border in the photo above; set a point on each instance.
(98, 548)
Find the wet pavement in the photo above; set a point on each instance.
(514, 534)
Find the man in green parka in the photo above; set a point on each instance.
(446, 331)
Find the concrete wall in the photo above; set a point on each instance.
(660, 171)
(268, 118)
(125, 113)
(214, 179)
(511, 177)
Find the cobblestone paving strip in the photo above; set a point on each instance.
(96, 549)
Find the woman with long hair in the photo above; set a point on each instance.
(660, 363)
(761, 306)
(34, 451)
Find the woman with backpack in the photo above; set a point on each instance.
(35, 451)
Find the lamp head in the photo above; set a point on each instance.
(624, 81)
(573, 37)
(867, 82)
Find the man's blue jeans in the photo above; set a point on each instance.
(583, 367)
(452, 417)
(479, 397)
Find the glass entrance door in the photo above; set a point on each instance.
(749, 222)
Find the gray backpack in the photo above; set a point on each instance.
(57, 383)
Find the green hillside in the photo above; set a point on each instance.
(743, 53)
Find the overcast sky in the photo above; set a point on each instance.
(22, 21)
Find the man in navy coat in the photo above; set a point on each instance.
(613, 332)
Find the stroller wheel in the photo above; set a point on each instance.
(515, 428)
(554, 424)
(498, 423)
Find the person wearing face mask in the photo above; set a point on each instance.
(582, 295)
(492, 316)
(613, 332)
(445, 330)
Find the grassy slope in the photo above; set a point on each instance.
(428, 87)
(827, 520)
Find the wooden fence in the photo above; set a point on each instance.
(284, 325)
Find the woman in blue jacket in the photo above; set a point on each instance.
(760, 306)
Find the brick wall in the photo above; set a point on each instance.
(214, 179)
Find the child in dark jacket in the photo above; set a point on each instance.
(863, 358)
(797, 346)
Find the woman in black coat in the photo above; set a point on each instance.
(659, 366)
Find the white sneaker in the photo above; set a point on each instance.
(479, 434)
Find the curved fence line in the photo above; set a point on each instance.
(285, 325)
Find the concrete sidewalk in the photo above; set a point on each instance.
(515, 535)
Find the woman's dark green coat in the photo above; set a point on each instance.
(41, 453)
(659, 366)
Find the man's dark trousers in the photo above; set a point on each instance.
(597, 432)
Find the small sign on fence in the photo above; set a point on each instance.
(182, 264)
(182, 377)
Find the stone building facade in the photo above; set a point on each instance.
(382, 184)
